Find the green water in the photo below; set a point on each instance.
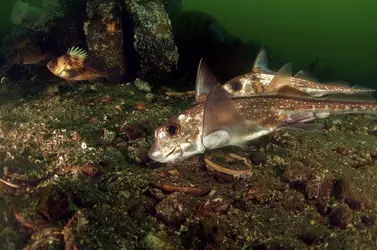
(342, 34)
(5, 11)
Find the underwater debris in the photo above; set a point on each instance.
(187, 190)
(72, 229)
(7, 183)
(181, 94)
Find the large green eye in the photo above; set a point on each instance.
(236, 86)
(172, 129)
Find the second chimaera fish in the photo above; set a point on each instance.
(258, 81)
(218, 120)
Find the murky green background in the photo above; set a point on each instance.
(5, 11)
(340, 33)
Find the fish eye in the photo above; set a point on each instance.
(172, 129)
(236, 86)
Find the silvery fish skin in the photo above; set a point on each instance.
(256, 83)
(180, 138)
(219, 119)
(261, 76)
(184, 136)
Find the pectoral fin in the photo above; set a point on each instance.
(205, 80)
(217, 139)
(72, 73)
(220, 118)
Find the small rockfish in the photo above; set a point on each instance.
(25, 56)
(31, 54)
(77, 65)
(258, 81)
(220, 120)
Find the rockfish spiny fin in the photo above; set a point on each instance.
(77, 52)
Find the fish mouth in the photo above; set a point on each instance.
(52, 65)
(61, 72)
(157, 155)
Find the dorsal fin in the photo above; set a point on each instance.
(77, 52)
(262, 61)
(282, 78)
(305, 75)
(205, 80)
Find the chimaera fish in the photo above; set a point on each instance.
(219, 120)
(258, 81)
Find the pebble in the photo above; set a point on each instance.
(368, 219)
(340, 216)
(142, 86)
(176, 208)
(297, 173)
(258, 158)
(149, 98)
(91, 169)
(53, 203)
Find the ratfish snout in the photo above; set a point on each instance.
(154, 153)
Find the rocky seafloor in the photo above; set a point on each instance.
(75, 175)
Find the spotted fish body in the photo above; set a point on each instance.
(258, 81)
(218, 119)
(260, 115)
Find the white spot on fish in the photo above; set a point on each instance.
(322, 115)
(181, 117)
